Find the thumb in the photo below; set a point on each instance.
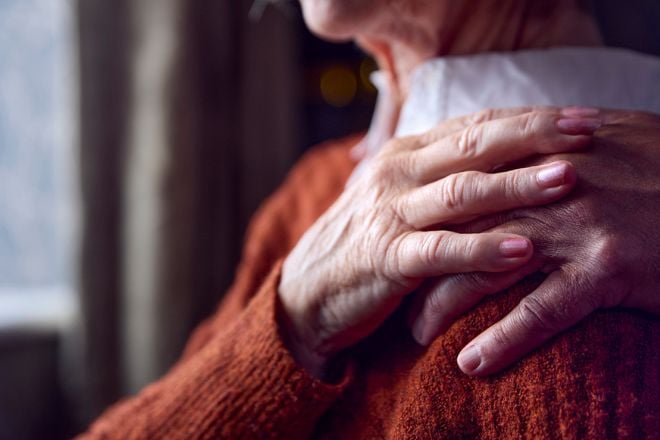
(553, 307)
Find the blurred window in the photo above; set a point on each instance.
(37, 166)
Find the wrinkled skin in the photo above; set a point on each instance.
(600, 247)
(386, 233)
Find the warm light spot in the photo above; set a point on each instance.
(338, 86)
(367, 67)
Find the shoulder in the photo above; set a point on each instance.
(311, 186)
(324, 166)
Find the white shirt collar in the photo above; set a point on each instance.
(601, 77)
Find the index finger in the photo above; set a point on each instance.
(484, 146)
(454, 125)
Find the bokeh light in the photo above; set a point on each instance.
(338, 86)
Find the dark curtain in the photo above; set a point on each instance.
(188, 119)
(103, 102)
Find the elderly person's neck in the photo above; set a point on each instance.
(463, 28)
(471, 27)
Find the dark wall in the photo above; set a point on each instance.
(632, 24)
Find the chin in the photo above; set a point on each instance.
(337, 20)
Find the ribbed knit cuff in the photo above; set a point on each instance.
(272, 395)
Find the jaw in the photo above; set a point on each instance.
(338, 20)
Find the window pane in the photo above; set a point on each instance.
(36, 144)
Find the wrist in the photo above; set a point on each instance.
(315, 364)
(296, 339)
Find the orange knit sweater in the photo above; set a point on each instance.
(236, 379)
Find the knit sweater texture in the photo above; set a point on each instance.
(236, 379)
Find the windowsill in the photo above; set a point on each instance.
(32, 361)
(47, 308)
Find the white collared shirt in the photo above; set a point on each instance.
(604, 77)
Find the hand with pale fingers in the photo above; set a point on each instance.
(599, 246)
(388, 231)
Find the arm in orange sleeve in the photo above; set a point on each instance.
(236, 377)
(241, 383)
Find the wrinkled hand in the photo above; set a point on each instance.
(600, 247)
(353, 267)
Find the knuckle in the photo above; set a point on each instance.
(531, 124)
(391, 167)
(432, 249)
(393, 145)
(455, 188)
(405, 143)
(467, 143)
(428, 137)
(537, 317)
(451, 193)
(485, 115)
(383, 170)
(392, 267)
(407, 165)
(608, 254)
(402, 209)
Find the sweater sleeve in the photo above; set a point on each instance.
(242, 384)
(236, 379)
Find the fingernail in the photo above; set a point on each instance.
(580, 112)
(514, 247)
(418, 331)
(552, 176)
(469, 359)
(579, 126)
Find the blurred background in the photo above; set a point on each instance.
(137, 137)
